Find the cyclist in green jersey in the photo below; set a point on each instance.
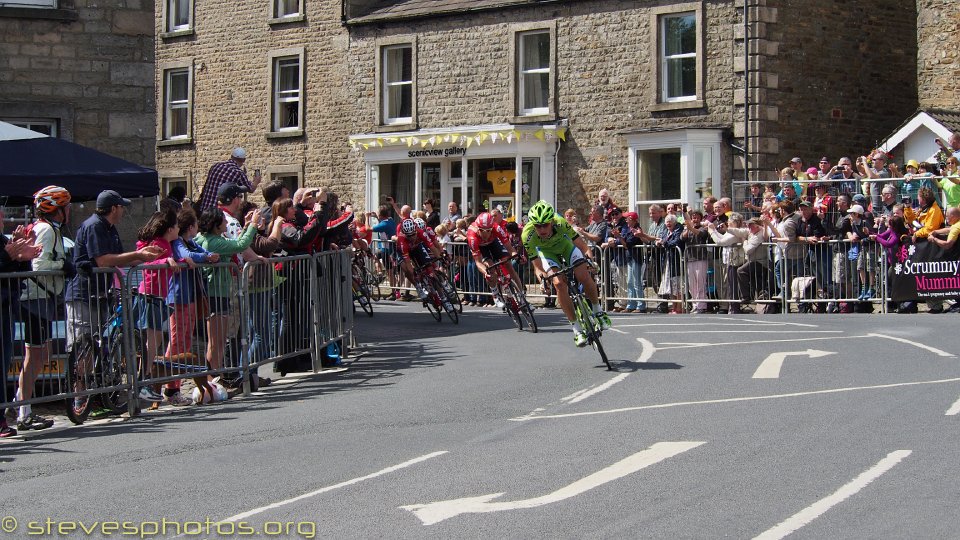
(553, 240)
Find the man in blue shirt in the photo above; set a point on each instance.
(98, 246)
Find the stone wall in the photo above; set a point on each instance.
(840, 81)
(89, 65)
(605, 80)
(938, 69)
(232, 94)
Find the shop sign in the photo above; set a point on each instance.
(438, 152)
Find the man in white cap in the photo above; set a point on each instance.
(229, 171)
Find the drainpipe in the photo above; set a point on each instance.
(746, 92)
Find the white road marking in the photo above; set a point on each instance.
(435, 512)
(938, 352)
(381, 472)
(818, 508)
(584, 394)
(704, 323)
(954, 409)
(683, 345)
(617, 330)
(574, 395)
(761, 321)
(646, 350)
(770, 367)
(741, 332)
(733, 400)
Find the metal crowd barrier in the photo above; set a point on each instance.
(267, 311)
(823, 277)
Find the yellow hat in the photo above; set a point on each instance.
(913, 163)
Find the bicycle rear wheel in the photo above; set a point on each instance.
(113, 372)
(79, 378)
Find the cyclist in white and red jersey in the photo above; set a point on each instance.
(490, 243)
(414, 244)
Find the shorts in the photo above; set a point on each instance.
(867, 259)
(151, 312)
(83, 317)
(494, 251)
(571, 254)
(420, 256)
(37, 317)
(220, 305)
(387, 258)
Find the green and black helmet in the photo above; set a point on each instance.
(541, 213)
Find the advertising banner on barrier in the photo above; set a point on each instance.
(923, 271)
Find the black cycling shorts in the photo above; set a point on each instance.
(494, 251)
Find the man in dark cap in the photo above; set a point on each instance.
(98, 246)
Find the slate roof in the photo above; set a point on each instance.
(950, 119)
(407, 9)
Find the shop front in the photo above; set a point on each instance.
(480, 167)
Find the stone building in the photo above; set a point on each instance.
(502, 102)
(938, 55)
(81, 70)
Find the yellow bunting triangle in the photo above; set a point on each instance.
(539, 134)
(483, 137)
(469, 142)
(562, 134)
(409, 141)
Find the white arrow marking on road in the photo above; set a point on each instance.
(646, 350)
(436, 512)
(770, 367)
(954, 409)
(934, 350)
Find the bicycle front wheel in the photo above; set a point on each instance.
(441, 295)
(524, 307)
(362, 294)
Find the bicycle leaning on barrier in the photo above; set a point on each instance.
(96, 366)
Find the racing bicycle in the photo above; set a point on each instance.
(362, 292)
(436, 286)
(513, 296)
(581, 308)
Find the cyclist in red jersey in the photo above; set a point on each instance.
(414, 244)
(489, 244)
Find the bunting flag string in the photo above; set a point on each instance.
(509, 136)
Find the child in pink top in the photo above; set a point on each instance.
(150, 308)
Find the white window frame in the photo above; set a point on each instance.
(169, 106)
(693, 144)
(32, 4)
(167, 178)
(279, 14)
(665, 59)
(170, 15)
(30, 123)
(523, 70)
(278, 100)
(387, 85)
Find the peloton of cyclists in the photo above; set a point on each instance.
(415, 245)
(488, 244)
(553, 240)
